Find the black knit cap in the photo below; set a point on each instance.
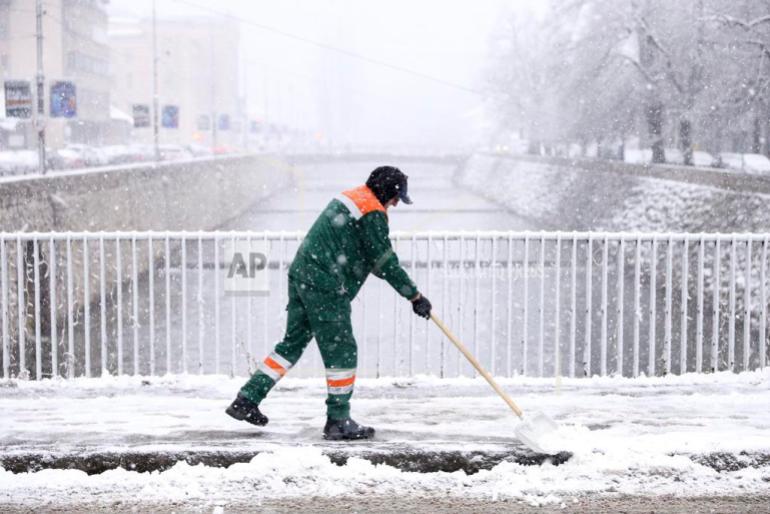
(388, 182)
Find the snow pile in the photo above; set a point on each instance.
(663, 205)
(529, 189)
(305, 471)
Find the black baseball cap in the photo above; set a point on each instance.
(388, 182)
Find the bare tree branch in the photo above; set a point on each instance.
(646, 74)
(671, 71)
(735, 22)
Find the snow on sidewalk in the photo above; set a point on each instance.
(630, 436)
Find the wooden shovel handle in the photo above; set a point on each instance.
(468, 355)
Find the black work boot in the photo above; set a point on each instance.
(244, 409)
(346, 429)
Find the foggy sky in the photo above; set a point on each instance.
(291, 82)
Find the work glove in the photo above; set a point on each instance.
(421, 306)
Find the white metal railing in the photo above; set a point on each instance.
(537, 303)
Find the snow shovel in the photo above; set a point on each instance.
(530, 431)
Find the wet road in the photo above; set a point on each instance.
(438, 203)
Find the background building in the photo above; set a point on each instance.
(75, 49)
(198, 73)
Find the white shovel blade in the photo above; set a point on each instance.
(534, 432)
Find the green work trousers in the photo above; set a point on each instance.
(325, 316)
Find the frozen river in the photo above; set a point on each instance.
(438, 203)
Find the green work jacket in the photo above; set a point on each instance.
(349, 240)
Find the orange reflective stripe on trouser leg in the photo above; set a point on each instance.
(274, 366)
(340, 381)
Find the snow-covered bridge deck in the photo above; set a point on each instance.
(690, 435)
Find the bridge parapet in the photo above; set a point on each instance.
(199, 194)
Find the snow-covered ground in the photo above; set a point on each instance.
(645, 436)
(564, 198)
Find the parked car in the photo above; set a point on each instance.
(198, 150)
(703, 159)
(173, 153)
(65, 159)
(633, 156)
(756, 163)
(747, 162)
(142, 153)
(118, 154)
(674, 156)
(17, 162)
(89, 155)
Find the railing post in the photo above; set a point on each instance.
(151, 295)
(86, 308)
(250, 343)
(653, 306)
(509, 316)
(763, 300)
(637, 303)
(70, 314)
(668, 306)
(21, 306)
(541, 312)
(605, 313)
(621, 265)
(183, 260)
(699, 320)
(234, 313)
(444, 306)
(119, 301)
(167, 279)
(476, 296)
(493, 327)
(135, 304)
(525, 307)
(573, 306)
(715, 306)
(4, 306)
(589, 307)
(200, 302)
(410, 353)
(54, 336)
(747, 308)
(395, 321)
(683, 339)
(38, 327)
(102, 310)
(266, 308)
(731, 326)
(557, 310)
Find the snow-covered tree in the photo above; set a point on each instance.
(691, 73)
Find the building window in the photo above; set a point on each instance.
(78, 62)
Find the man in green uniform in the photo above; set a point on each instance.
(349, 240)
